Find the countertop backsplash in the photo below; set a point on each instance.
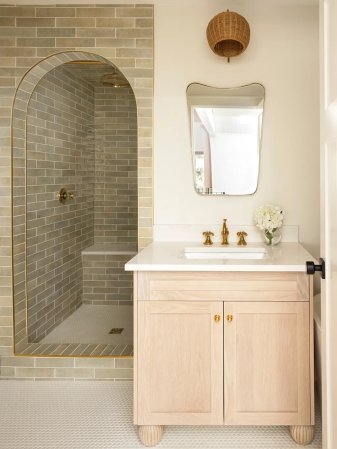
(193, 232)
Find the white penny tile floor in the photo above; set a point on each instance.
(98, 415)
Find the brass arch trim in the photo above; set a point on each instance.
(57, 62)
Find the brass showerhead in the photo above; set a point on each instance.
(114, 80)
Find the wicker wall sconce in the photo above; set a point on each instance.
(228, 34)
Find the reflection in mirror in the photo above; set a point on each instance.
(226, 126)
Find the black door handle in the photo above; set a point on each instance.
(312, 268)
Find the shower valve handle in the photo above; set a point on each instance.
(63, 195)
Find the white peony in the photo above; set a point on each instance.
(268, 218)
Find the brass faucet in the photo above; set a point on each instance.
(224, 233)
(208, 238)
(242, 235)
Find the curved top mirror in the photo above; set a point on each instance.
(226, 128)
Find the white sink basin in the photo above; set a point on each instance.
(224, 252)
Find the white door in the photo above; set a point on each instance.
(328, 22)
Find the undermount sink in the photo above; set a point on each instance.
(224, 252)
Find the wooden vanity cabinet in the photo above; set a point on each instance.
(223, 348)
(267, 363)
(180, 362)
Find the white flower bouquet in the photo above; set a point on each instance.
(269, 219)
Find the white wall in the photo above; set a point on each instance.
(283, 56)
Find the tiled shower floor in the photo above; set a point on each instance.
(86, 333)
(98, 415)
(91, 324)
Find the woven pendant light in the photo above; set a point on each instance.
(228, 34)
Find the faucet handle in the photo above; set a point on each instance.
(242, 235)
(208, 238)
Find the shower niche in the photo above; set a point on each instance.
(80, 213)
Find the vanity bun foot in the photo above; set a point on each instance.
(302, 434)
(150, 435)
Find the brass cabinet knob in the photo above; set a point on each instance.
(217, 318)
(229, 318)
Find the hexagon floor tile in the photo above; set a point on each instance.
(98, 415)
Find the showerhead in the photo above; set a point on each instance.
(114, 80)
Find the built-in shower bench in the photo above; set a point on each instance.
(110, 249)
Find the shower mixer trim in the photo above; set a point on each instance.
(63, 195)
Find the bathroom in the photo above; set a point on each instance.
(282, 51)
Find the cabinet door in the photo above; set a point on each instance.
(180, 363)
(266, 363)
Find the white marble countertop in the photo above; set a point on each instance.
(169, 256)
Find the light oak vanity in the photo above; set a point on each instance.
(223, 342)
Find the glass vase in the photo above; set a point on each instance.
(272, 238)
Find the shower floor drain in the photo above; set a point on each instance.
(116, 330)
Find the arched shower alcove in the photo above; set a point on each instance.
(74, 139)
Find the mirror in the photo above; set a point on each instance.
(226, 127)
